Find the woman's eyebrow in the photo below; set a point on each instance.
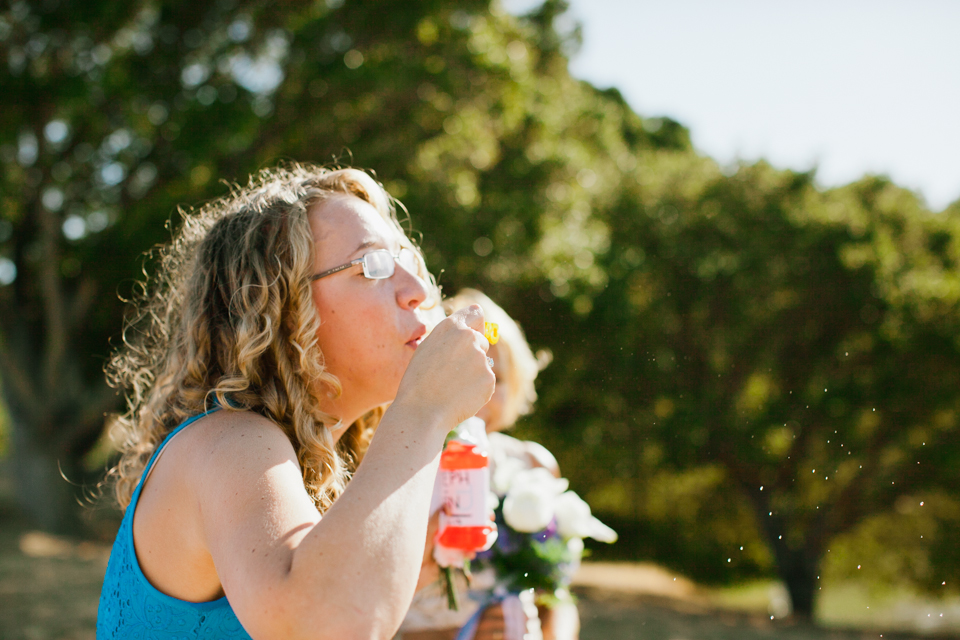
(365, 245)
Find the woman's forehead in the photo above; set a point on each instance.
(348, 220)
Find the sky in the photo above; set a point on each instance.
(847, 86)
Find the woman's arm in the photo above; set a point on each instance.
(290, 574)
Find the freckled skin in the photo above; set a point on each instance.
(365, 324)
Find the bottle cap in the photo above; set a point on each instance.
(474, 431)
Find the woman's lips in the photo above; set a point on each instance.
(417, 338)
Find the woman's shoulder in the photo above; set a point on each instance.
(239, 462)
(542, 457)
(228, 438)
(532, 453)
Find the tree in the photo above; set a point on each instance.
(802, 341)
(83, 141)
(116, 114)
(113, 114)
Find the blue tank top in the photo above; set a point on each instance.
(131, 607)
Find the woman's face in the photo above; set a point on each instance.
(369, 328)
(492, 412)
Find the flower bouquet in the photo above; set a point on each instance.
(541, 526)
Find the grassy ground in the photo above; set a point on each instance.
(617, 616)
(644, 601)
(49, 588)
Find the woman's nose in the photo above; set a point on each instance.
(411, 290)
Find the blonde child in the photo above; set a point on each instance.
(516, 369)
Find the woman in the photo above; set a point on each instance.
(282, 319)
(516, 369)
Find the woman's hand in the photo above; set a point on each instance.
(449, 373)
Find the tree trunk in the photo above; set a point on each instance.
(42, 492)
(798, 570)
(798, 566)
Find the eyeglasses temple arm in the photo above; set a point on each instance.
(329, 272)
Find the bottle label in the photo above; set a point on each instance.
(464, 493)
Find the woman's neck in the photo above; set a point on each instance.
(346, 412)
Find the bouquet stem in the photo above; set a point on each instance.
(453, 602)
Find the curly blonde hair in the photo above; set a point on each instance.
(229, 319)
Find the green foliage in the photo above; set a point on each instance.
(805, 341)
(923, 533)
(541, 560)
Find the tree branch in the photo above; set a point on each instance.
(18, 382)
(91, 416)
(82, 300)
(53, 303)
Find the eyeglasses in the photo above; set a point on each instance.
(378, 264)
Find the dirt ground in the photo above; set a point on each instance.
(49, 588)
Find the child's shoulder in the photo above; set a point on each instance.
(532, 453)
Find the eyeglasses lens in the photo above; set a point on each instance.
(408, 260)
(378, 265)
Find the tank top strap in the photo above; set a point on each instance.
(156, 454)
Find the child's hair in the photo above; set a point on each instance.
(229, 319)
(519, 364)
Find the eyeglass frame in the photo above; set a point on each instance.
(362, 260)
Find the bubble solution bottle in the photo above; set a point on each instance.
(464, 482)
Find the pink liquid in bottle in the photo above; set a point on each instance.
(465, 482)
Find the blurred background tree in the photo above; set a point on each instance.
(714, 331)
(792, 348)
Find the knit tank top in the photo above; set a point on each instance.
(131, 607)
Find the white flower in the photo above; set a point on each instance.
(575, 546)
(529, 504)
(503, 474)
(447, 557)
(528, 510)
(574, 520)
(492, 535)
(540, 477)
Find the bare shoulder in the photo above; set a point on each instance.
(241, 431)
(542, 457)
(206, 482)
(246, 471)
(533, 453)
(507, 444)
(238, 456)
